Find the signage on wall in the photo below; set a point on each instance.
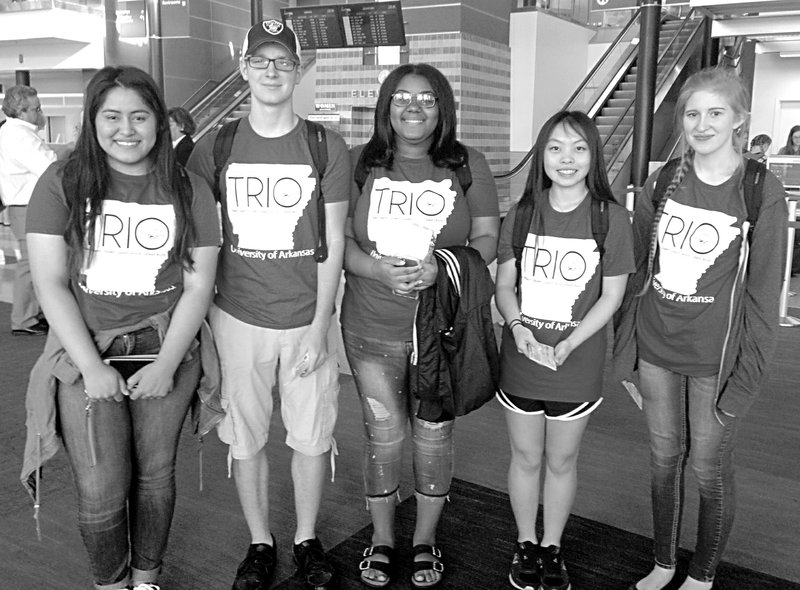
(131, 18)
(624, 4)
(347, 25)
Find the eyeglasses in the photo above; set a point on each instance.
(282, 64)
(403, 98)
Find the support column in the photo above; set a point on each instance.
(710, 45)
(257, 12)
(646, 69)
(22, 78)
(156, 44)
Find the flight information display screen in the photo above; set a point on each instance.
(347, 25)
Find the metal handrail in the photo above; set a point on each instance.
(660, 83)
(627, 58)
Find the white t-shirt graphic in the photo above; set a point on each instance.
(554, 274)
(265, 203)
(132, 242)
(405, 217)
(691, 239)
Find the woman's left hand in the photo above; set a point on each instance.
(429, 271)
(152, 381)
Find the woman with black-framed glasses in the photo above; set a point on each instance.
(408, 199)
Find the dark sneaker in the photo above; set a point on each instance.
(38, 329)
(554, 572)
(313, 566)
(257, 569)
(525, 566)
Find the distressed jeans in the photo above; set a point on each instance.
(127, 497)
(381, 372)
(684, 426)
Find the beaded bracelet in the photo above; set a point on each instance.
(512, 323)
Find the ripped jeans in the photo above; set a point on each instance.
(381, 370)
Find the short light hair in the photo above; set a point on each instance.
(17, 99)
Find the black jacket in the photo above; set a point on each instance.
(456, 363)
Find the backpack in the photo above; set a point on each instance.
(463, 173)
(524, 217)
(753, 187)
(317, 145)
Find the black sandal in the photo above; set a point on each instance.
(384, 567)
(435, 565)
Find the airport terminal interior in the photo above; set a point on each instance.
(512, 63)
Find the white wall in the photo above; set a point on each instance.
(548, 60)
(776, 79)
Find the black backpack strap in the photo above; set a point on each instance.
(600, 225)
(222, 151)
(464, 174)
(522, 226)
(753, 190)
(318, 146)
(665, 176)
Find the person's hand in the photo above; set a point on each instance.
(104, 383)
(312, 351)
(152, 381)
(563, 350)
(394, 273)
(428, 277)
(524, 340)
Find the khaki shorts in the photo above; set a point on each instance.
(251, 358)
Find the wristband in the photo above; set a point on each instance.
(513, 323)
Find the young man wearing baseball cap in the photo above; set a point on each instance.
(272, 316)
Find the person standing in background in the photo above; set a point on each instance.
(24, 156)
(792, 147)
(181, 128)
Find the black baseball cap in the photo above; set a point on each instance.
(270, 31)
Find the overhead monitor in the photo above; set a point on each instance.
(347, 25)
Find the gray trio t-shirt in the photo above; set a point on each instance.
(267, 275)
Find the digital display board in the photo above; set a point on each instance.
(347, 25)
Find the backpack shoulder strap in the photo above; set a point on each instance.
(464, 174)
(753, 190)
(222, 151)
(600, 224)
(665, 176)
(522, 226)
(318, 146)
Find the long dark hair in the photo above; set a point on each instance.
(445, 150)
(790, 147)
(596, 179)
(87, 175)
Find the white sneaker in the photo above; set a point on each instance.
(146, 586)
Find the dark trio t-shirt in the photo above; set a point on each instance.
(131, 276)
(406, 212)
(560, 282)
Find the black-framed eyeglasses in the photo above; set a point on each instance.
(403, 98)
(282, 64)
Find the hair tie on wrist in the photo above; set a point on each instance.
(512, 323)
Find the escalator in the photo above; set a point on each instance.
(608, 92)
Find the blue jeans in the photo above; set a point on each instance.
(684, 424)
(381, 370)
(126, 498)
